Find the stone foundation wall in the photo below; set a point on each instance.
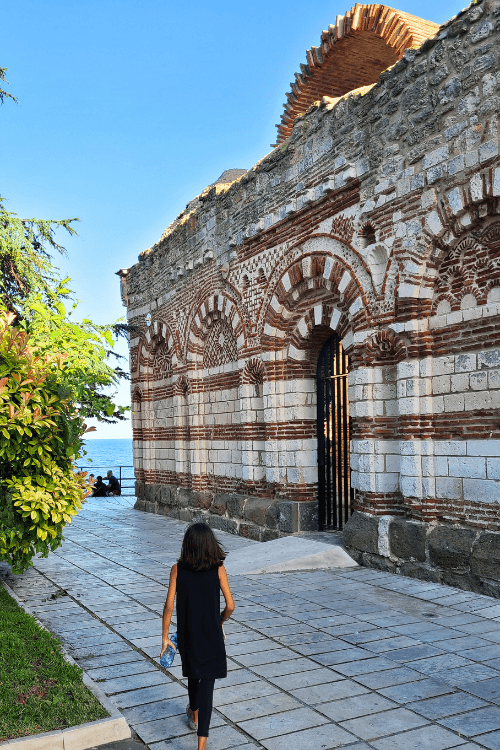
(442, 553)
(256, 518)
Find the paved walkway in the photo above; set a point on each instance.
(353, 658)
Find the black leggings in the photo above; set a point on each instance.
(201, 695)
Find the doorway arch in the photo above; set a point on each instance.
(334, 475)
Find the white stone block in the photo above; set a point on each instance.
(356, 306)
(467, 466)
(410, 486)
(334, 320)
(496, 181)
(344, 282)
(449, 488)
(383, 535)
(384, 391)
(363, 446)
(459, 383)
(328, 267)
(489, 358)
(476, 188)
(391, 407)
(410, 466)
(435, 157)
(444, 365)
(297, 354)
(465, 362)
(428, 466)
(455, 200)
(454, 318)
(413, 387)
(482, 490)
(364, 409)
(409, 368)
(371, 463)
(441, 466)
(428, 487)
(392, 462)
(434, 224)
(479, 380)
(450, 447)
(347, 341)
(482, 400)
(493, 468)
(409, 447)
(483, 447)
(409, 405)
(437, 321)
(454, 402)
(355, 480)
(386, 482)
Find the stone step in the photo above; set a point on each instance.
(287, 554)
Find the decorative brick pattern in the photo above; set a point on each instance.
(378, 219)
(352, 54)
(220, 346)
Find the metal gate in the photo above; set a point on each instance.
(334, 485)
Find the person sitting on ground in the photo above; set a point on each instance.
(99, 488)
(91, 481)
(113, 487)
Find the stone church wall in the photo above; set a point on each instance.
(378, 219)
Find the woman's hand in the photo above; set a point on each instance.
(166, 642)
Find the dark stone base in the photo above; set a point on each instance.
(256, 518)
(436, 552)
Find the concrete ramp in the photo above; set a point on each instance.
(286, 554)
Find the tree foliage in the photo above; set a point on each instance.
(40, 438)
(4, 94)
(54, 372)
(31, 289)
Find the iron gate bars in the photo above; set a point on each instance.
(334, 490)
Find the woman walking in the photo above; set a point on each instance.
(198, 578)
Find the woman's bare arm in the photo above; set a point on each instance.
(224, 585)
(168, 610)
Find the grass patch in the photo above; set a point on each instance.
(39, 690)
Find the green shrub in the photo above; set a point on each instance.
(40, 438)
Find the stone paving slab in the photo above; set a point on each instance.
(353, 658)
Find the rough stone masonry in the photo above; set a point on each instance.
(375, 218)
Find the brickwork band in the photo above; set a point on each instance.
(376, 221)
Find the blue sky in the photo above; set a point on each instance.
(127, 110)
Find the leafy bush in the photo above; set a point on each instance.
(40, 438)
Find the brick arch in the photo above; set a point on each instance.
(469, 266)
(220, 310)
(352, 54)
(253, 372)
(338, 256)
(137, 395)
(319, 322)
(315, 289)
(384, 348)
(454, 224)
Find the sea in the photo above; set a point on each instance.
(103, 455)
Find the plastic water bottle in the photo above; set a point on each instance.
(168, 657)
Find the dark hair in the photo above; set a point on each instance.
(99, 479)
(200, 549)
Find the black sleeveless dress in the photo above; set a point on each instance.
(199, 629)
